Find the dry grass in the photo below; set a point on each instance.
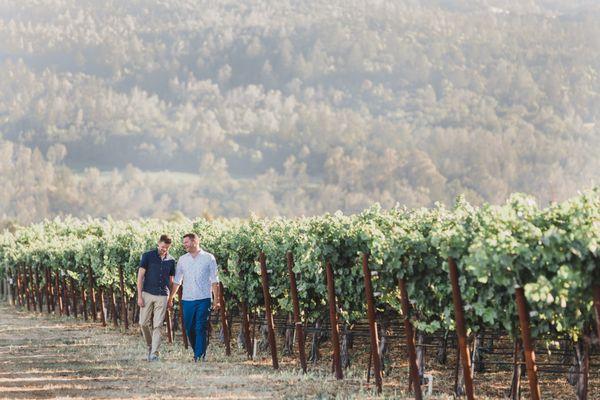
(51, 357)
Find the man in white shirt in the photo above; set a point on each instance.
(197, 272)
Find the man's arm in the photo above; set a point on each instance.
(173, 288)
(215, 284)
(176, 281)
(140, 285)
(170, 284)
(140, 279)
(216, 291)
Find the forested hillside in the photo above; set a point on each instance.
(144, 108)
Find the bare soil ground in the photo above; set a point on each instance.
(44, 357)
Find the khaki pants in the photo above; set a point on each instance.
(158, 304)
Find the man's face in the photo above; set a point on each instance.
(190, 244)
(163, 248)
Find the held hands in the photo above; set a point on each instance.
(170, 303)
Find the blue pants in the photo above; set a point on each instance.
(195, 319)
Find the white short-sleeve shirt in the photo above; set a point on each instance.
(196, 275)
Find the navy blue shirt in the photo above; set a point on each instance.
(158, 271)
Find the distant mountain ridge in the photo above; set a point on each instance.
(290, 108)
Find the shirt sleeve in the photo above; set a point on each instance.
(178, 273)
(144, 261)
(214, 274)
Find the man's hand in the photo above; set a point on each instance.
(170, 303)
(140, 301)
(216, 306)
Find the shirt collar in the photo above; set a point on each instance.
(167, 257)
(199, 253)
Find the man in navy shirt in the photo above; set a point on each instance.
(154, 283)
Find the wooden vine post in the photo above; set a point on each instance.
(113, 306)
(246, 327)
(410, 339)
(32, 290)
(38, 290)
(183, 333)
(268, 313)
(58, 292)
(296, 304)
(65, 296)
(11, 290)
(74, 296)
(372, 324)
(461, 330)
(18, 289)
(102, 306)
(527, 344)
(596, 294)
(224, 320)
(27, 289)
(48, 290)
(92, 294)
(123, 298)
(169, 326)
(223, 314)
(335, 333)
(84, 303)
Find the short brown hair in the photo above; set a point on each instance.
(165, 239)
(191, 236)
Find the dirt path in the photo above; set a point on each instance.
(49, 357)
(44, 357)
